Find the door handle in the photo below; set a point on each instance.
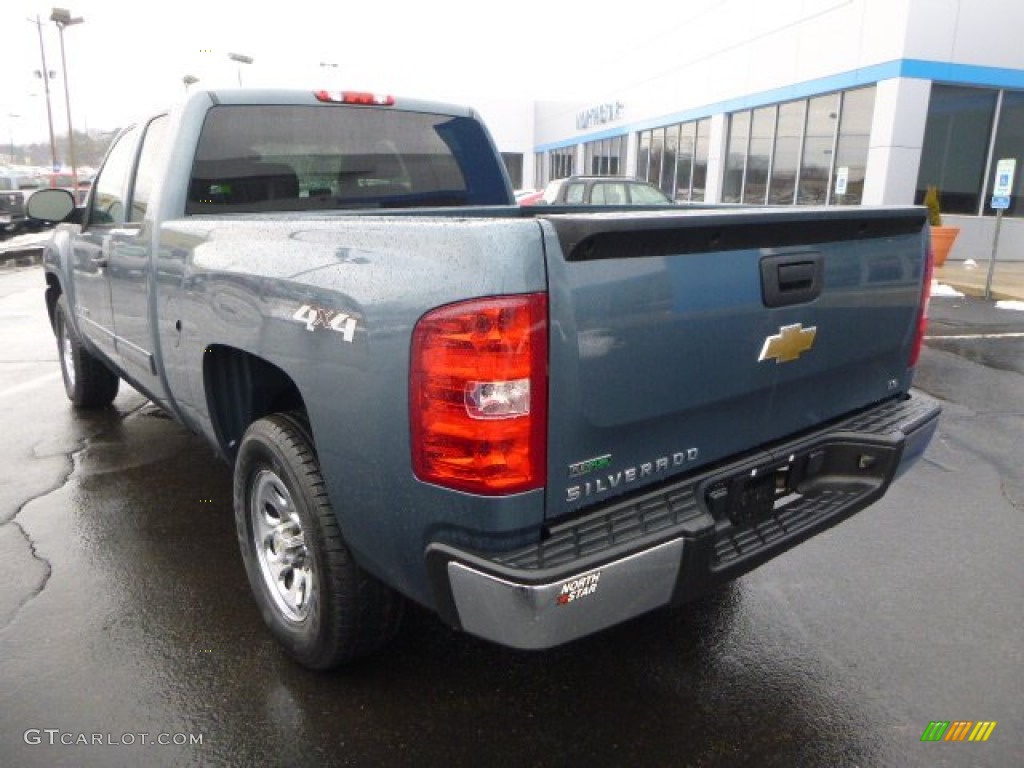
(792, 279)
(106, 244)
(102, 254)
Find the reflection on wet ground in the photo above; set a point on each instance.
(146, 626)
(133, 616)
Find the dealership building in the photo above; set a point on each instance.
(806, 102)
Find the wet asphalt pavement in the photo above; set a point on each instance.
(125, 616)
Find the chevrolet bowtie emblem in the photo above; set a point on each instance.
(790, 342)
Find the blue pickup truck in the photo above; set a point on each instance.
(537, 423)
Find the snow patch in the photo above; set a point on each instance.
(1017, 305)
(941, 289)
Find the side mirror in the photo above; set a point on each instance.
(50, 205)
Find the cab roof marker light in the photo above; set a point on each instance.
(355, 97)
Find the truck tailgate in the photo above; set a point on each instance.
(679, 339)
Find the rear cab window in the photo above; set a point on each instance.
(294, 157)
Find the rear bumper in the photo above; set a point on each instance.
(680, 540)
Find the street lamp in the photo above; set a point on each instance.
(189, 80)
(241, 58)
(45, 74)
(62, 18)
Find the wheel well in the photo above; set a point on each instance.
(241, 388)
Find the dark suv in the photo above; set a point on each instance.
(15, 189)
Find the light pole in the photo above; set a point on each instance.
(241, 58)
(62, 18)
(45, 75)
(11, 118)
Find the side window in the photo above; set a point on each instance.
(107, 207)
(153, 145)
(574, 194)
(609, 194)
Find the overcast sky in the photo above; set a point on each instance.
(129, 58)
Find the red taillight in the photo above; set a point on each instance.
(355, 97)
(478, 395)
(922, 319)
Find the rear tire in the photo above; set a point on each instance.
(319, 604)
(87, 381)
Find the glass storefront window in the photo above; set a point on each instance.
(605, 157)
(736, 157)
(657, 155)
(759, 156)
(684, 160)
(786, 161)
(675, 158)
(562, 162)
(643, 156)
(854, 138)
(956, 141)
(700, 160)
(1009, 143)
(514, 166)
(819, 143)
(668, 166)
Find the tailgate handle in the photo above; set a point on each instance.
(791, 279)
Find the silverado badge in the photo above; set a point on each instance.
(786, 346)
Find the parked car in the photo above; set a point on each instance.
(530, 197)
(600, 190)
(67, 181)
(15, 189)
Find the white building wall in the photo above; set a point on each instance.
(979, 32)
(897, 135)
(511, 123)
(770, 47)
(677, 65)
(778, 50)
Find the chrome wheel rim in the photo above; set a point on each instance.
(280, 542)
(67, 354)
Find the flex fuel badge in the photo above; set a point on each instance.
(577, 589)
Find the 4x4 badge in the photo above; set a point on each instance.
(788, 344)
